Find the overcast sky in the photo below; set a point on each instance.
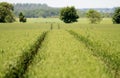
(76, 3)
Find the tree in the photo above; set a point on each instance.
(6, 12)
(94, 16)
(116, 16)
(22, 17)
(68, 15)
(36, 10)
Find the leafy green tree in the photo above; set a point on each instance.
(116, 16)
(69, 15)
(9, 19)
(22, 17)
(94, 16)
(6, 12)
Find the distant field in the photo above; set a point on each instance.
(41, 20)
(57, 20)
(49, 48)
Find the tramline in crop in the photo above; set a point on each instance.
(108, 54)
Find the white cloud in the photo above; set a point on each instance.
(76, 3)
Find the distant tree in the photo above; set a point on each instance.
(22, 17)
(116, 16)
(94, 16)
(6, 12)
(36, 10)
(69, 15)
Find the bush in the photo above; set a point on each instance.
(22, 18)
(116, 16)
(69, 15)
(94, 16)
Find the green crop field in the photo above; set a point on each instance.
(48, 48)
(57, 20)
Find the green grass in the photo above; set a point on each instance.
(21, 65)
(57, 20)
(41, 20)
(13, 41)
(104, 40)
(24, 26)
(105, 50)
(61, 55)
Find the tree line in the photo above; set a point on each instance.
(36, 10)
(32, 10)
(67, 14)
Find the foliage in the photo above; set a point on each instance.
(116, 16)
(94, 16)
(36, 10)
(6, 14)
(22, 17)
(69, 15)
(32, 10)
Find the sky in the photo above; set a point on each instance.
(76, 3)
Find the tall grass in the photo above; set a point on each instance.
(111, 60)
(25, 59)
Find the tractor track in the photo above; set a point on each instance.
(26, 58)
(97, 52)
